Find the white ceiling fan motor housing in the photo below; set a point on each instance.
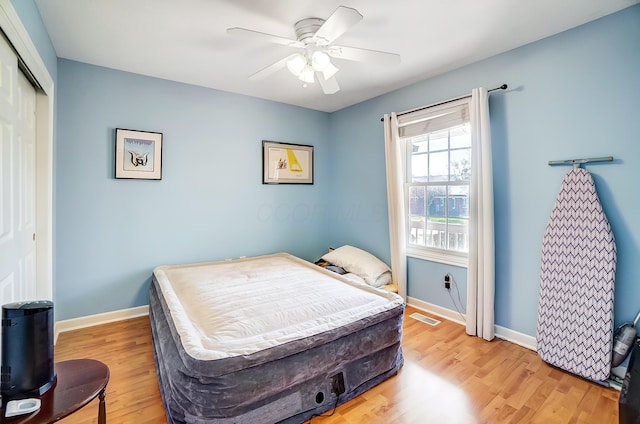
(306, 29)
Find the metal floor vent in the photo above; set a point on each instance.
(425, 319)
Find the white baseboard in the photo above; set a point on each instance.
(104, 318)
(515, 337)
(504, 333)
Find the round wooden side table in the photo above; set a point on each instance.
(79, 381)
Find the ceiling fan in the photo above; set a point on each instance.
(315, 36)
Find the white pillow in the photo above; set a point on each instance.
(354, 277)
(358, 262)
(383, 279)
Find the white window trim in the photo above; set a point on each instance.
(448, 257)
(438, 255)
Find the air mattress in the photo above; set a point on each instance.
(268, 339)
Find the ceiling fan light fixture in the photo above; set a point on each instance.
(315, 36)
(296, 64)
(320, 60)
(307, 75)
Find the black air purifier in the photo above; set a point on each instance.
(27, 349)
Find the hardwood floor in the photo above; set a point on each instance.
(448, 378)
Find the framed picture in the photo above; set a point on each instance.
(284, 163)
(138, 154)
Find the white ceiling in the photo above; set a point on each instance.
(186, 40)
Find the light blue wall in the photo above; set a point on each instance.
(210, 204)
(573, 95)
(358, 195)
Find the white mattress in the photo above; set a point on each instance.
(241, 314)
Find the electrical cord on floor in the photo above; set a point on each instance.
(455, 305)
(326, 415)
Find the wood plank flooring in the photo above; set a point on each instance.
(448, 378)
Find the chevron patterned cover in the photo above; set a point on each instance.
(575, 310)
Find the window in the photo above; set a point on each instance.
(437, 174)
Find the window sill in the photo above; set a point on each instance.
(441, 257)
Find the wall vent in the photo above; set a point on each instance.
(425, 319)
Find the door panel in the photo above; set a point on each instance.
(27, 188)
(17, 181)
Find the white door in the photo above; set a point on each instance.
(17, 181)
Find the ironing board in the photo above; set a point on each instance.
(575, 310)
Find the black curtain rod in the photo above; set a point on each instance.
(502, 87)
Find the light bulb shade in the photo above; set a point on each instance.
(307, 75)
(296, 64)
(320, 61)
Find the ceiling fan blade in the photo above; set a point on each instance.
(363, 55)
(337, 24)
(256, 35)
(274, 67)
(329, 86)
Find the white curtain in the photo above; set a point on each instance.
(481, 266)
(394, 158)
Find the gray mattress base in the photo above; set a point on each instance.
(286, 389)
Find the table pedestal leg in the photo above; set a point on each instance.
(102, 409)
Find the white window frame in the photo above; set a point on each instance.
(412, 125)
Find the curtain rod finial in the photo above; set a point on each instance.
(503, 86)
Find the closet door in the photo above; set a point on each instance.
(17, 181)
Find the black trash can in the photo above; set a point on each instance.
(630, 393)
